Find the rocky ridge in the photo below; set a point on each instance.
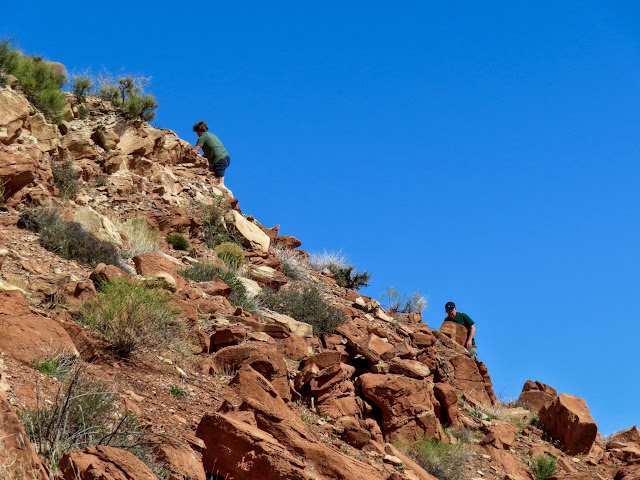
(265, 397)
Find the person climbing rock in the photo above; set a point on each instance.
(463, 319)
(213, 151)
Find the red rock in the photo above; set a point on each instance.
(423, 339)
(378, 345)
(409, 368)
(293, 347)
(169, 219)
(17, 455)
(630, 437)
(325, 359)
(16, 172)
(456, 332)
(216, 287)
(154, 264)
(467, 378)
(225, 336)
(500, 434)
(27, 336)
(402, 350)
(408, 405)
(288, 242)
(107, 273)
(104, 463)
(568, 420)
(182, 461)
(447, 395)
(264, 359)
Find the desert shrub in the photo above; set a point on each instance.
(141, 238)
(133, 317)
(543, 466)
(140, 106)
(178, 242)
(445, 461)
(396, 302)
(206, 271)
(231, 254)
(321, 261)
(215, 229)
(178, 392)
(347, 278)
(85, 412)
(111, 93)
(83, 112)
(54, 365)
(68, 239)
(81, 86)
(293, 266)
(305, 305)
(65, 178)
(40, 83)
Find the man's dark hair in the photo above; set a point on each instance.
(201, 127)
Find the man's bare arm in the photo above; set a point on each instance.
(472, 332)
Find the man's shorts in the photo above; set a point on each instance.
(219, 167)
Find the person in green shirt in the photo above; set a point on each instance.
(463, 319)
(213, 151)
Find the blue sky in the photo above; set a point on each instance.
(481, 152)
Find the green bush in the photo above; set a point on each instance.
(446, 461)
(40, 83)
(134, 317)
(543, 466)
(345, 277)
(65, 178)
(85, 412)
(395, 302)
(178, 242)
(142, 107)
(306, 306)
(68, 239)
(81, 87)
(111, 93)
(207, 271)
(231, 254)
(56, 366)
(178, 392)
(83, 112)
(214, 226)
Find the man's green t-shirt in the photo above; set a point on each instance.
(462, 319)
(211, 147)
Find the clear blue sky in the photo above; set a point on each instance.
(482, 152)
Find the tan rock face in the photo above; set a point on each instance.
(104, 463)
(408, 405)
(76, 145)
(14, 110)
(45, 133)
(252, 235)
(568, 420)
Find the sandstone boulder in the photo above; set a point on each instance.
(14, 110)
(154, 264)
(104, 463)
(16, 172)
(536, 395)
(182, 461)
(456, 332)
(408, 405)
(298, 328)
(567, 419)
(26, 336)
(76, 145)
(252, 235)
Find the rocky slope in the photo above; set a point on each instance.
(248, 393)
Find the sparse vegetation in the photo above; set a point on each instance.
(134, 317)
(446, 461)
(347, 278)
(321, 261)
(37, 78)
(215, 229)
(68, 239)
(178, 392)
(206, 271)
(141, 238)
(543, 466)
(178, 242)
(293, 266)
(231, 254)
(393, 301)
(85, 412)
(81, 87)
(305, 305)
(65, 178)
(56, 365)
(140, 106)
